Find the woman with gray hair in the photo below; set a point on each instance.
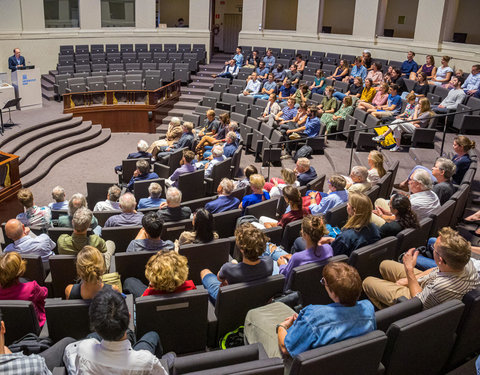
(76, 201)
(443, 170)
(174, 132)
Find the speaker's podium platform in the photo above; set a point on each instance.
(27, 84)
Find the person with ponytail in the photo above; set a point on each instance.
(401, 208)
(90, 269)
(461, 145)
(377, 170)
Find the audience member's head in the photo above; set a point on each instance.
(225, 187)
(420, 181)
(187, 127)
(188, 156)
(174, 197)
(462, 144)
(114, 193)
(90, 265)
(174, 122)
(359, 208)
(251, 241)
(293, 197)
(288, 176)
(217, 151)
(76, 201)
(153, 225)
(166, 271)
(337, 182)
(155, 190)
(359, 174)
(142, 146)
(12, 266)
(231, 137)
(329, 91)
(375, 160)
(425, 106)
(249, 170)
(401, 207)
(203, 225)
(342, 282)
(14, 229)
(302, 165)
(347, 101)
(313, 228)
(143, 166)
(211, 115)
(81, 220)
(128, 203)
(257, 182)
(224, 118)
(58, 194)
(109, 315)
(25, 197)
(444, 169)
(451, 249)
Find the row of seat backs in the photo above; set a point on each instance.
(140, 47)
(126, 57)
(121, 66)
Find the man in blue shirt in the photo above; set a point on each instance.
(409, 65)
(141, 173)
(58, 194)
(230, 144)
(472, 83)
(286, 115)
(154, 200)
(230, 70)
(269, 60)
(238, 57)
(269, 88)
(142, 147)
(305, 173)
(225, 201)
(393, 106)
(16, 61)
(309, 130)
(262, 71)
(186, 140)
(358, 70)
(286, 91)
(337, 196)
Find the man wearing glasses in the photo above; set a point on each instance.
(454, 276)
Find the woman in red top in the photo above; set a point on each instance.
(166, 271)
(12, 267)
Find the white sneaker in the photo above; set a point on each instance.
(378, 138)
(395, 149)
(285, 157)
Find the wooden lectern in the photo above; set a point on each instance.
(9, 186)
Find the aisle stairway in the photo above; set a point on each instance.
(192, 93)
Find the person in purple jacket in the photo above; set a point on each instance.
(186, 166)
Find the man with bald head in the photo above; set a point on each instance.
(25, 242)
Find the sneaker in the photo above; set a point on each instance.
(396, 149)
(378, 138)
(284, 157)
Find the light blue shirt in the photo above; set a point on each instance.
(359, 72)
(150, 202)
(472, 82)
(269, 61)
(41, 245)
(58, 205)
(238, 59)
(319, 325)
(208, 171)
(270, 85)
(328, 202)
(312, 127)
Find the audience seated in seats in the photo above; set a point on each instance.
(407, 122)
(357, 182)
(231, 144)
(76, 201)
(283, 117)
(310, 130)
(377, 170)
(72, 244)
(330, 120)
(358, 70)
(444, 73)
(292, 75)
(253, 85)
(302, 94)
(12, 268)
(397, 79)
(33, 364)
(142, 152)
(258, 195)
(393, 106)
(299, 119)
(166, 272)
(129, 216)
(58, 195)
(341, 71)
(203, 229)
(224, 202)
(269, 88)
(111, 204)
(409, 66)
(279, 73)
(443, 171)
(375, 74)
(335, 196)
(355, 90)
(111, 348)
(379, 100)
(248, 171)
(34, 216)
(186, 166)
(305, 173)
(142, 173)
(424, 201)
(420, 89)
(429, 69)
(472, 83)
(251, 242)
(186, 140)
(299, 63)
(174, 132)
(449, 85)
(276, 185)
(238, 57)
(27, 243)
(90, 269)
(387, 77)
(148, 238)
(218, 137)
(286, 90)
(367, 59)
(252, 60)
(368, 92)
(358, 231)
(453, 99)
(210, 124)
(269, 60)
(318, 84)
(329, 103)
(230, 71)
(399, 217)
(153, 200)
(319, 325)
(171, 210)
(293, 198)
(262, 71)
(454, 276)
(216, 157)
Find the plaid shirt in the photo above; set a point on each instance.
(17, 363)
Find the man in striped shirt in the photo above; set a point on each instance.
(454, 276)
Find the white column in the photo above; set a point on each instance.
(252, 15)
(199, 15)
(365, 13)
(145, 14)
(382, 12)
(450, 17)
(307, 16)
(90, 14)
(33, 18)
(321, 8)
(429, 25)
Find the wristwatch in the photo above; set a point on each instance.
(280, 325)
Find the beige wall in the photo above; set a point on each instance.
(228, 7)
(171, 11)
(12, 19)
(281, 14)
(396, 8)
(339, 14)
(468, 19)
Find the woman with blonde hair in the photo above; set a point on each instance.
(166, 272)
(289, 178)
(12, 267)
(258, 195)
(375, 162)
(90, 269)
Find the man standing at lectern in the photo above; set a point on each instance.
(16, 61)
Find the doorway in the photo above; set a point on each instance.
(232, 25)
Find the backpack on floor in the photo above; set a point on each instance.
(303, 152)
(389, 141)
(232, 339)
(31, 344)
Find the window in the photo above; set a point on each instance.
(118, 13)
(61, 13)
(400, 18)
(338, 17)
(173, 13)
(466, 28)
(281, 15)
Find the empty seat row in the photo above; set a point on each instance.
(142, 47)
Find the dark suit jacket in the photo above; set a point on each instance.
(12, 62)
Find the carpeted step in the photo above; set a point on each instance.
(93, 138)
(16, 145)
(49, 95)
(200, 85)
(48, 78)
(360, 158)
(194, 91)
(51, 144)
(406, 163)
(185, 105)
(338, 158)
(160, 113)
(204, 79)
(47, 85)
(423, 156)
(191, 98)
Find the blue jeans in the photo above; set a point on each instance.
(261, 96)
(275, 255)
(434, 179)
(339, 95)
(424, 263)
(211, 283)
(440, 110)
(318, 90)
(225, 75)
